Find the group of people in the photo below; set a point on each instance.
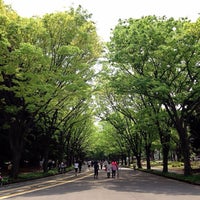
(62, 167)
(111, 168)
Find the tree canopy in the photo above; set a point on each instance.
(158, 58)
(145, 98)
(46, 74)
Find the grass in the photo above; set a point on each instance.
(25, 176)
(176, 166)
(194, 179)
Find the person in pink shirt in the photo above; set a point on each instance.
(114, 168)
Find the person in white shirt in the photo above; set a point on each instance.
(108, 169)
(76, 168)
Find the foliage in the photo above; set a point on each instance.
(45, 81)
(103, 143)
(158, 58)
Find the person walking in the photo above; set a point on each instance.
(79, 166)
(108, 169)
(101, 164)
(114, 168)
(89, 164)
(76, 168)
(96, 169)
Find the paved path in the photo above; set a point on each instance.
(14, 189)
(133, 185)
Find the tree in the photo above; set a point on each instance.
(158, 58)
(47, 64)
(116, 110)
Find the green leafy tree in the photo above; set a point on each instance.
(47, 66)
(159, 58)
(105, 144)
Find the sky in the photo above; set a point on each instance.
(106, 13)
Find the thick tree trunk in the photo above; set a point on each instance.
(148, 156)
(15, 164)
(165, 141)
(125, 160)
(16, 139)
(46, 159)
(184, 142)
(186, 156)
(165, 150)
(182, 132)
(139, 163)
(129, 158)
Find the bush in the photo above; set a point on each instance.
(4, 181)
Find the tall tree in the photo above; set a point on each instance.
(48, 64)
(160, 57)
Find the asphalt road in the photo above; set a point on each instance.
(134, 185)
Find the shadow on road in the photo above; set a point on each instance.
(128, 181)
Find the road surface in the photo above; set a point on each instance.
(133, 185)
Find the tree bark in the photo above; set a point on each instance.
(184, 143)
(165, 141)
(139, 164)
(148, 156)
(165, 150)
(16, 143)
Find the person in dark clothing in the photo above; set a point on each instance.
(96, 169)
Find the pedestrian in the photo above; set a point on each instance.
(41, 164)
(105, 164)
(108, 169)
(79, 166)
(10, 166)
(96, 169)
(89, 164)
(101, 164)
(76, 168)
(62, 167)
(114, 168)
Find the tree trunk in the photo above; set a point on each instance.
(139, 164)
(165, 150)
(46, 159)
(15, 164)
(165, 141)
(184, 143)
(148, 156)
(181, 128)
(125, 160)
(16, 141)
(186, 156)
(129, 158)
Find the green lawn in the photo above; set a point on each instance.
(176, 171)
(24, 176)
